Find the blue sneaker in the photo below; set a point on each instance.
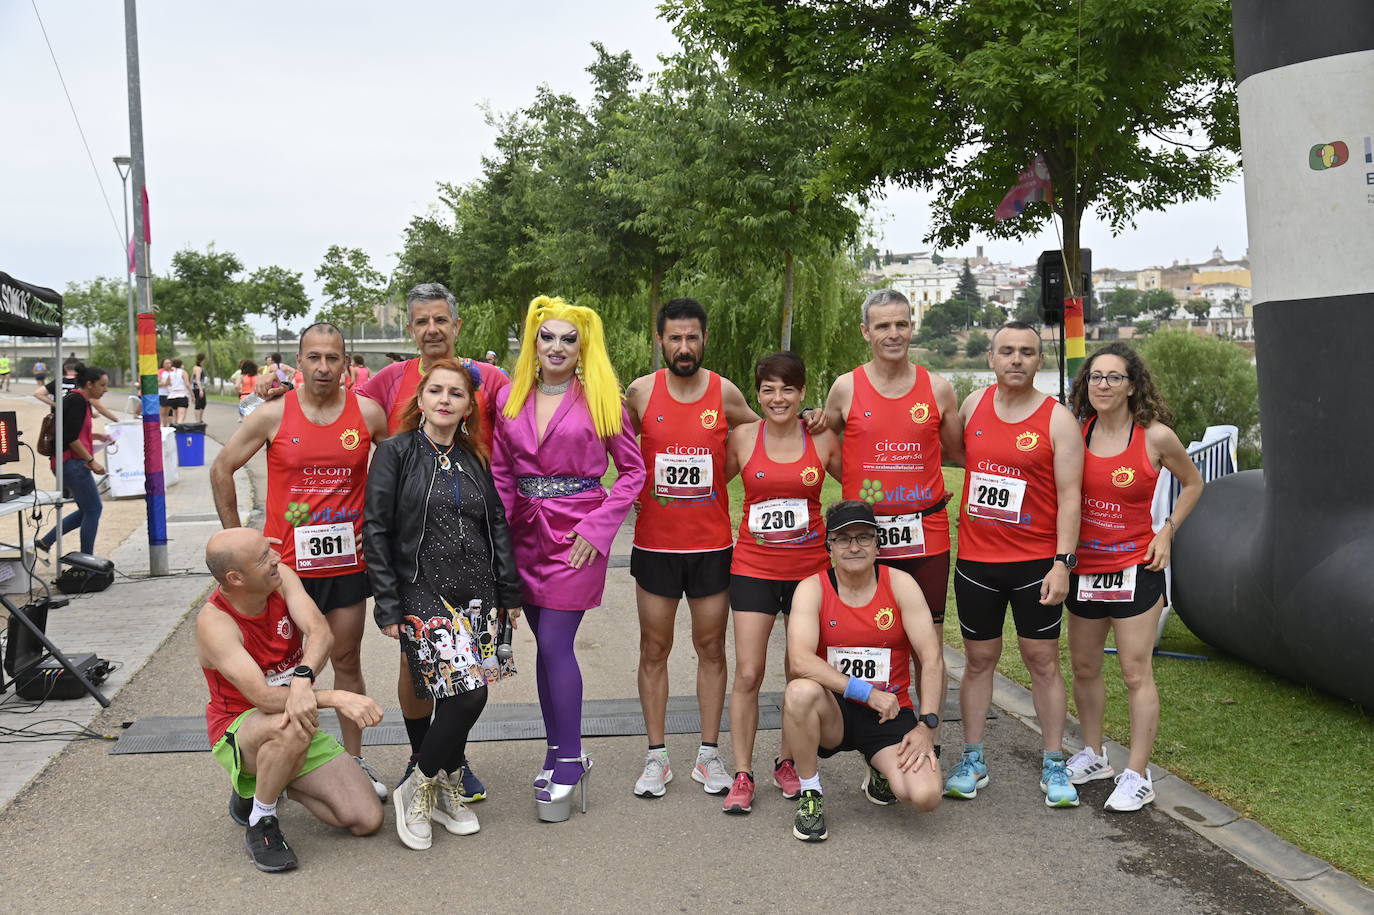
(473, 790)
(967, 777)
(1054, 781)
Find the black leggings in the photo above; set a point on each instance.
(447, 739)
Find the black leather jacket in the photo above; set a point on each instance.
(398, 484)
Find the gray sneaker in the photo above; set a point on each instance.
(449, 810)
(415, 809)
(657, 775)
(710, 771)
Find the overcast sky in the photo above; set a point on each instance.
(277, 129)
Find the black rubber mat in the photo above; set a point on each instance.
(500, 721)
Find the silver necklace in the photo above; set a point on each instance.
(555, 389)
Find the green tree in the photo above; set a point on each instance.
(352, 288)
(204, 297)
(1160, 303)
(992, 315)
(977, 344)
(1205, 381)
(724, 174)
(1198, 308)
(966, 296)
(1028, 304)
(1121, 304)
(278, 293)
(101, 306)
(1123, 121)
(941, 320)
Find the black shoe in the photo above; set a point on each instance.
(809, 823)
(267, 848)
(239, 807)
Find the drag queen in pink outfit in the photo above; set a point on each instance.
(560, 424)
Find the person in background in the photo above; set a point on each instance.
(79, 464)
(198, 382)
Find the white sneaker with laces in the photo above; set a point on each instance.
(373, 777)
(710, 771)
(449, 810)
(657, 775)
(1088, 765)
(1133, 791)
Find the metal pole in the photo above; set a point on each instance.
(154, 484)
(124, 164)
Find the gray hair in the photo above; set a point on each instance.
(885, 297)
(430, 292)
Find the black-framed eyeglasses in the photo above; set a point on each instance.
(1112, 379)
(844, 541)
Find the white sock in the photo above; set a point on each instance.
(813, 783)
(261, 810)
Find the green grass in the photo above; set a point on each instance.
(1291, 757)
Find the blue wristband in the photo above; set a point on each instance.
(858, 690)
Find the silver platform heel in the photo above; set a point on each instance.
(545, 776)
(559, 805)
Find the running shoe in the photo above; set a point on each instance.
(967, 777)
(710, 771)
(740, 800)
(1086, 766)
(239, 807)
(786, 778)
(1132, 792)
(473, 789)
(878, 789)
(449, 811)
(267, 848)
(1054, 781)
(809, 823)
(657, 774)
(373, 777)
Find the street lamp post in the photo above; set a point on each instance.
(124, 164)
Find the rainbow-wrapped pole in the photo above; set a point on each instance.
(153, 483)
(1074, 348)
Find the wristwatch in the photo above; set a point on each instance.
(304, 671)
(1070, 560)
(930, 720)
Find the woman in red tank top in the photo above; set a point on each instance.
(781, 541)
(1119, 582)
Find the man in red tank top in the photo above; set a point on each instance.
(1018, 526)
(900, 422)
(318, 438)
(851, 634)
(260, 641)
(682, 544)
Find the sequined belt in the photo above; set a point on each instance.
(553, 487)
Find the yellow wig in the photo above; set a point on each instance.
(599, 384)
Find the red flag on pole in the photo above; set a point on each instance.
(1032, 184)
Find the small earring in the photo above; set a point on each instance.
(463, 426)
(578, 370)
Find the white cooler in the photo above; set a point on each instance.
(124, 458)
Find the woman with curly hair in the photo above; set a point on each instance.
(560, 423)
(1119, 582)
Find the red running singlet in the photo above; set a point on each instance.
(867, 642)
(271, 640)
(1010, 502)
(891, 457)
(683, 507)
(1118, 494)
(782, 534)
(316, 487)
(410, 383)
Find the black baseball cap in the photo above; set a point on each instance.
(850, 511)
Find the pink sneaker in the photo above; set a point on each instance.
(785, 777)
(740, 800)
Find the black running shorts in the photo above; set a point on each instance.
(982, 591)
(675, 574)
(932, 575)
(1149, 588)
(761, 595)
(864, 733)
(338, 590)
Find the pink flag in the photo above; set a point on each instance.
(1032, 184)
(147, 232)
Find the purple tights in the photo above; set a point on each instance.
(560, 684)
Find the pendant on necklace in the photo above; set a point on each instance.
(444, 463)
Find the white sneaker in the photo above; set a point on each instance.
(710, 771)
(449, 810)
(1133, 791)
(1087, 766)
(372, 776)
(657, 775)
(414, 810)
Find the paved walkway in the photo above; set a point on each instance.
(150, 832)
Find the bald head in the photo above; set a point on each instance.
(234, 550)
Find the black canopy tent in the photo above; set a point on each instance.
(36, 311)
